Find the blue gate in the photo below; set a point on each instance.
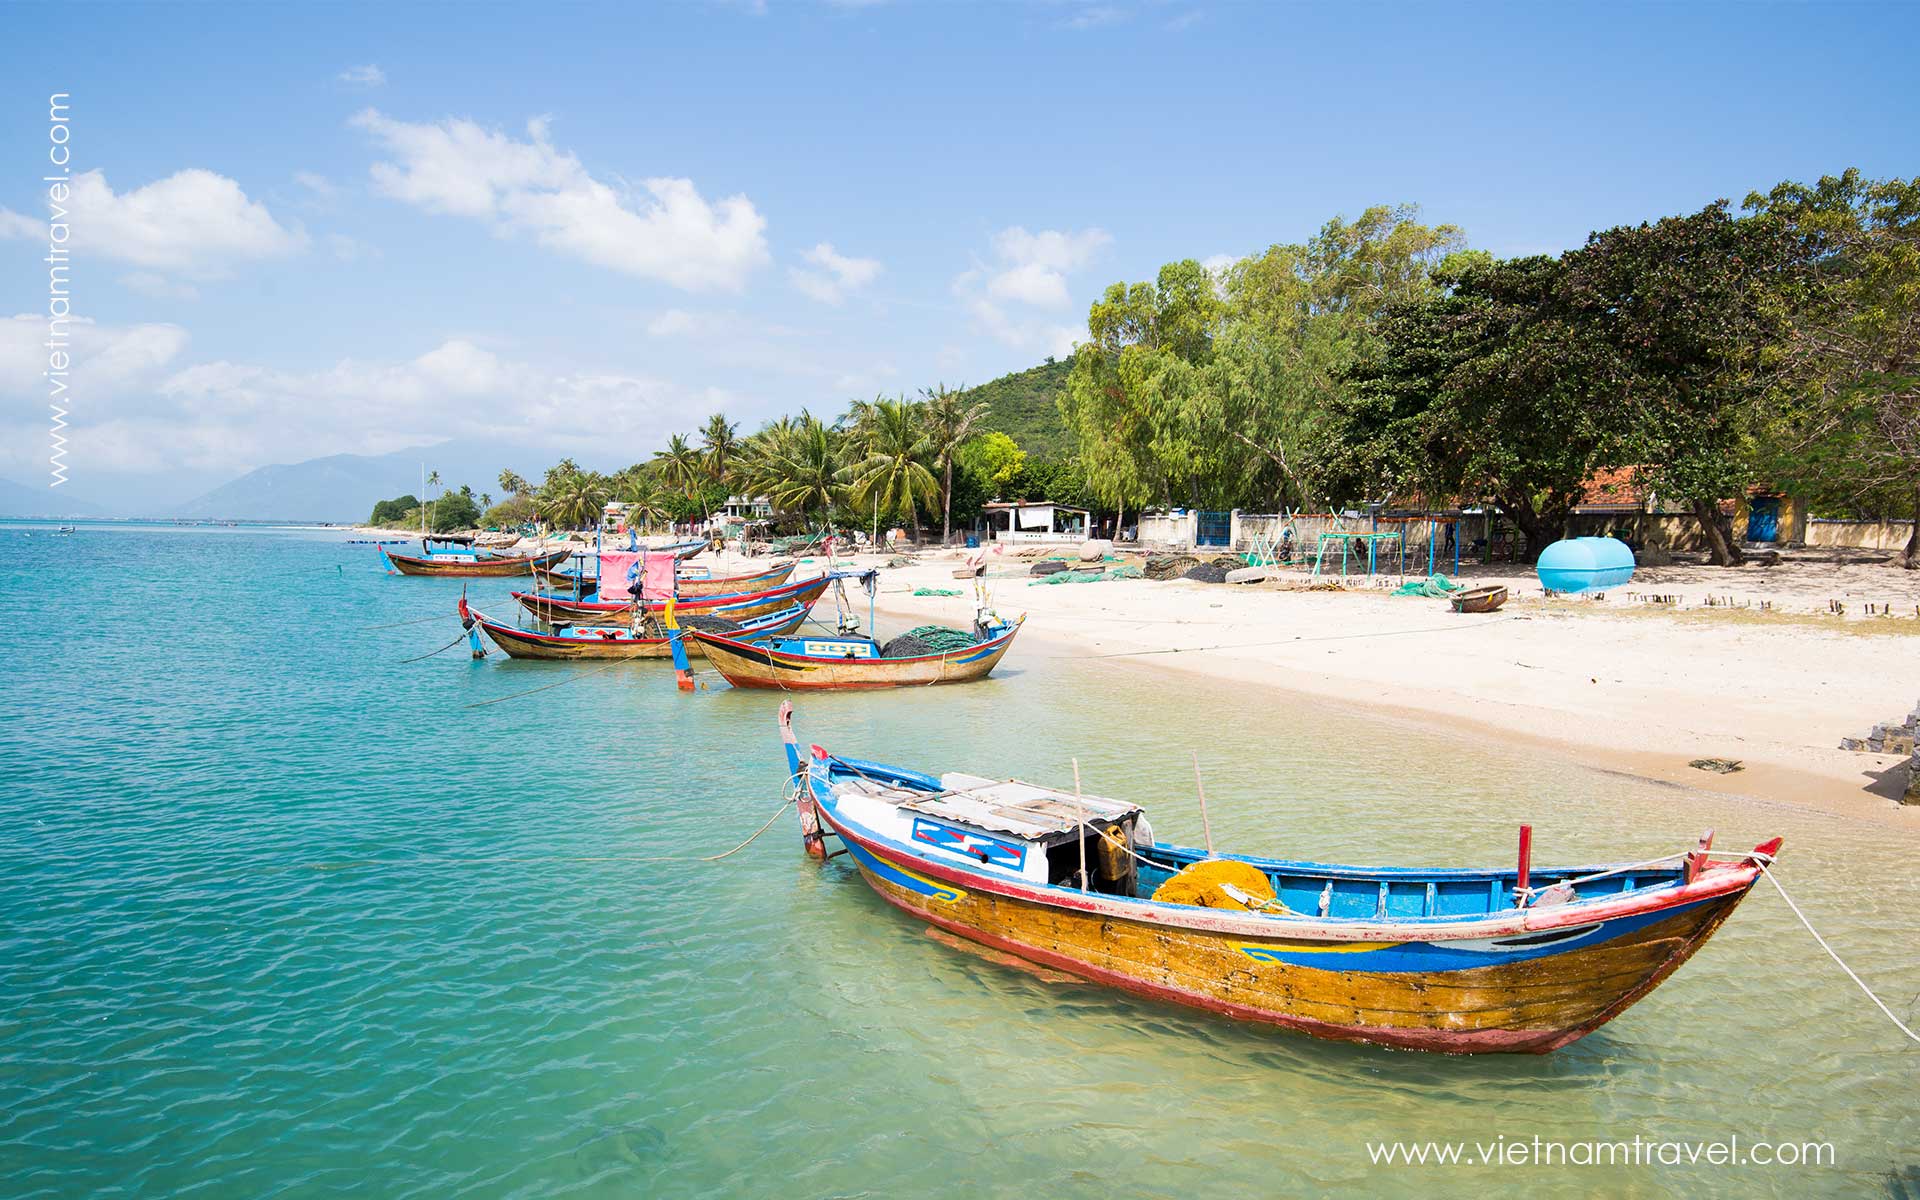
(1213, 529)
(1763, 519)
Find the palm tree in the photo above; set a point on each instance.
(433, 506)
(679, 465)
(512, 484)
(800, 473)
(486, 501)
(720, 444)
(639, 489)
(894, 471)
(572, 498)
(950, 420)
(856, 424)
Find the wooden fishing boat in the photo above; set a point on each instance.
(647, 638)
(689, 583)
(468, 563)
(1456, 961)
(734, 606)
(848, 663)
(1480, 599)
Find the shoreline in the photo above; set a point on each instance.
(1638, 693)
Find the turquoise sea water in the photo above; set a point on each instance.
(280, 915)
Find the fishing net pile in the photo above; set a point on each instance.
(797, 543)
(1123, 571)
(1170, 566)
(704, 622)
(927, 639)
(1200, 884)
(1432, 585)
(1207, 573)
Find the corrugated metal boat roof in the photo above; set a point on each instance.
(1012, 806)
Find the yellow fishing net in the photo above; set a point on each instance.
(1200, 884)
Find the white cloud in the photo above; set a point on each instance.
(16, 225)
(833, 275)
(316, 183)
(1015, 298)
(368, 76)
(1219, 264)
(665, 231)
(106, 362)
(193, 222)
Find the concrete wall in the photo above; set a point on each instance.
(1863, 535)
(1169, 530)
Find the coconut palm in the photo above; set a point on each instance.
(679, 466)
(719, 444)
(894, 470)
(856, 424)
(572, 499)
(799, 471)
(950, 419)
(433, 506)
(638, 487)
(512, 484)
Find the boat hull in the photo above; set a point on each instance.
(689, 588)
(1525, 1000)
(493, 568)
(750, 666)
(557, 610)
(524, 643)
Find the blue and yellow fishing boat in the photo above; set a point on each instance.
(1457, 961)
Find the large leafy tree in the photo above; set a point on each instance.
(572, 498)
(894, 471)
(1853, 439)
(949, 418)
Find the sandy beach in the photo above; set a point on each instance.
(1618, 684)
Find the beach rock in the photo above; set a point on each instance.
(1913, 780)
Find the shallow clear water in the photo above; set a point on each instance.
(280, 914)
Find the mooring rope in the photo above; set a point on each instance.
(442, 650)
(1881, 1004)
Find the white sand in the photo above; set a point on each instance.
(1617, 684)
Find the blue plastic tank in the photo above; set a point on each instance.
(1584, 564)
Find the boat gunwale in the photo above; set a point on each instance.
(1721, 879)
(794, 613)
(830, 660)
(689, 604)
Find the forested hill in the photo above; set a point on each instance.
(1021, 405)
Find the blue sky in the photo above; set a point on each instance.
(580, 228)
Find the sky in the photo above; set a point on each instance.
(576, 229)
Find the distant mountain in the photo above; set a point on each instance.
(19, 500)
(1021, 405)
(344, 487)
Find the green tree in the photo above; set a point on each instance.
(894, 472)
(456, 510)
(512, 484)
(389, 514)
(1854, 436)
(719, 443)
(949, 419)
(571, 498)
(679, 466)
(994, 458)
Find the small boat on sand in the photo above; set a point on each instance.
(1479, 600)
(851, 663)
(461, 560)
(1517, 959)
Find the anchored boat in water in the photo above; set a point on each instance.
(1456, 961)
(461, 560)
(644, 637)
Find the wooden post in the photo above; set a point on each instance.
(1526, 866)
(1697, 861)
(1080, 805)
(1206, 826)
